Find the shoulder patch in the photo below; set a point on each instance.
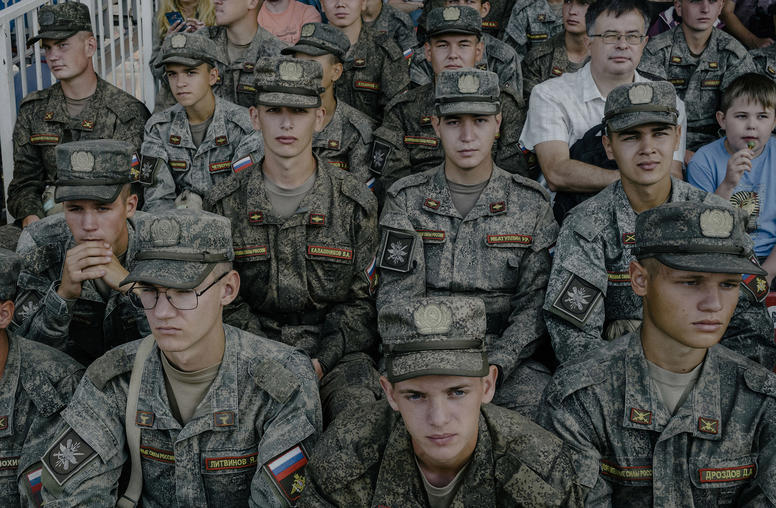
(68, 455)
(379, 156)
(576, 300)
(756, 285)
(113, 363)
(396, 250)
(288, 472)
(275, 379)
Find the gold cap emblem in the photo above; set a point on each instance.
(165, 233)
(451, 14)
(716, 223)
(82, 161)
(468, 83)
(178, 41)
(290, 71)
(433, 319)
(308, 29)
(640, 94)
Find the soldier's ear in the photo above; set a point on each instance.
(320, 116)
(254, 113)
(607, 142)
(478, 50)
(489, 384)
(388, 389)
(721, 119)
(336, 71)
(484, 9)
(435, 120)
(427, 51)
(90, 43)
(6, 313)
(213, 78)
(639, 278)
(231, 288)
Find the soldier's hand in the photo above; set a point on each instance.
(83, 262)
(318, 368)
(114, 273)
(29, 220)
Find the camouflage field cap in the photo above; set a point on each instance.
(96, 169)
(640, 103)
(434, 336)
(286, 81)
(188, 49)
(455, 20)
(696, 237)
(61, 21)
(179, 248)
(318, 39)
(467, 92)
(10, 266)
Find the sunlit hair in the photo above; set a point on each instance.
(205, 12)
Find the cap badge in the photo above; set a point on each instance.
(716, 223)
(308, 30)
(468, 83)
(290, 71)
(451, 14)
(640, 94)
(178, 41)
(165, 233)
(82, 161)
(433, 319)
(46, 18)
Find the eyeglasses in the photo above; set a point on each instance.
(613, 37)
(146, 297)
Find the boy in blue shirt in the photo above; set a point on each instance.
(740, 166)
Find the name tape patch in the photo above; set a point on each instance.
(250, 251)
(330, 252)
(643, 473)
(510, 238)
(238, 462)
(727, 474)
(164, 456)
(431, 235)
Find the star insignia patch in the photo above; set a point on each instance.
(396, 251)
(3, 422)
(87, 124)
(221, 140)
(175, 140)
(333, 144)
(223, 418)
(708, 425)
(541, 18)
(576, 300)
(641, 416)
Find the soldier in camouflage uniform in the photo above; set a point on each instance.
(222, 417)
(304, 251)
(492, 23)
(496, 55)
(764, 60)
(469, 227)
(80, 106)
(666, 416)
(589, 296)
(436, 431)
(546, 61)
(185, 159)
(375, 69)
(531, 24)
(699, 72)
(346, 138)
(36, 383)
(69, 292)
(391, 21)
(406, 142)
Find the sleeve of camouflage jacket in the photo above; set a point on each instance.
(133, 130)
(390, 136)
(395, 72)
(26, 188)
(514, 33)
(751, 331)
(161, 195)
(509, 156)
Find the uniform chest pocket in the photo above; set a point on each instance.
(9, 464)
(329, 269)
(227, 475)
(717, 473)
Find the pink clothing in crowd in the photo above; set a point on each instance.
(287, 25)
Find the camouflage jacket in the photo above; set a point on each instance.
(179, 165)
(37, 384)
(346, 141)
(590, 289)
(764, 60)
(43, 123)
(84, 328)
(305, 279)
(531, 23)
(261, 406)
(375, 71)
(498, 252)
(546, 61)
(366, 459)
(698, 81)
(497, 57)
(397, 25)
(235, 79)
(717, 449)
(406, 142)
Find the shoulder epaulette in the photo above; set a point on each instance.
(226, 187)
(405, 96)
(538, 51)
(275, 379)
(657, 43)
(387, 44)
(522, 4)
(123, 105)
(355, 189)
(531, 184)
(502, 51)
(362, 123)
(578, 218)
(580, 375)
(730, 43)
(760, 380)
(410, 181)
(43, 369)
(164, 116)
(36, 96)
(110, 365)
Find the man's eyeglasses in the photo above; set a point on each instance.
(145, 297)
(613, 37)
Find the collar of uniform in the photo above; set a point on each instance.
(623, 211)
(438, 191)
(262, 38)
(642, 408)
(560, 56)
(494, 192)
(712, 52)
(180, 127)
(58, 106)
(332, 132)
(700, 415)
(223, 393)
(8, 386)
(217, 127)
(360, 49)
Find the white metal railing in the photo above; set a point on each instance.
(123, 32)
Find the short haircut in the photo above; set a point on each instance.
(616, 7)
(754, 87)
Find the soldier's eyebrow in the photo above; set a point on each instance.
(659, 128)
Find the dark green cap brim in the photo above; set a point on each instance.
(468, 108)
(712, 262)
(306, 49)
(467, 363)
(188, 62)
(629, 120)
(290, 100)
(169, 273)
(57, 35)
(101, 193)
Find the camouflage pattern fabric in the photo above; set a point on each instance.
(84, 328)
(531, 24)
(10, 266)
(547, 61)
(43, 123)
(493, 23)
(699, 81)
(396, 24)
(589, 285)
(61, 21)
(715, 450)
(346, 141)
(764, 60)
(498, 252)
(95, 169)
(366, 459)
(9, 236)
(37, 384)
(375, 71)
(189, 49)
(262, 405)
(235, 79)
(169, 154)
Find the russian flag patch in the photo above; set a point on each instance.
(370, 184)
(35, 486)
(241, 164)
(288, 472)
(371, 275)
(135, 160)
(408, 53)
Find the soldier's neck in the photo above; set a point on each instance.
(646, 197)
(329, 103)
(243, 31)
(665, 351)
(696, 41)
(372, 10)
(576, 47)
(80, 87)
(202, 110)
(353, 32)
(204, 353)
(469, 176)
(289, 172)
(3, 351)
